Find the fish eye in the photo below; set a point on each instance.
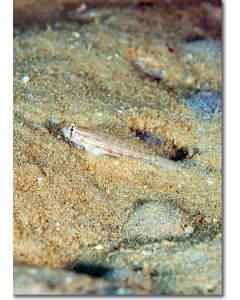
(73, 125)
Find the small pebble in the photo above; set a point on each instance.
(68, 279)
(76, 35)
(82, 7)
(54, 120)
(98, 247)
(146, 253)
(40, 179)
(167, 243)
(120, 109)
(25, 79)
(91, 14)
(122, 41)
(57, 226)
(189, 229)
(147, 67)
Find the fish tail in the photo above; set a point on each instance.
(166, 163)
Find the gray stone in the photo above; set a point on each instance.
(156, 220)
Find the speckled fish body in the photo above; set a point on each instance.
(98, 144)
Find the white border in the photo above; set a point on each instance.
(232, 148)
(6, 149)
(231, 161)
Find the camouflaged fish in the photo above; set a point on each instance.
(99, 144)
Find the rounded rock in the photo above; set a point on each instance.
(25, 79)
(156, 220)
(206, 104)
(189, 230)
